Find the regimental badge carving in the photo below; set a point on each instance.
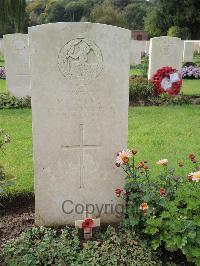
(19, 45)
(80, 59)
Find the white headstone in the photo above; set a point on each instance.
(188, 51)
(143, 45)
(1, 46)
(79, 80)
(196, 46)
(165, 51)
(135, 52)
(17, 64)
(147, 47)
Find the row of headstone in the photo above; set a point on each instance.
(170, 51)
(162, 51)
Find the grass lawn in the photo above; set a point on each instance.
(2, 85)
(18, 155)
(165, 132)
(191, 87)
(157, 132)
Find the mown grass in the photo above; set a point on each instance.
(3, 85)
(157, 132)
(191, 87)
(17, 157)
(165, 132)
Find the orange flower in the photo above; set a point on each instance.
(140, 165)
(180, 163)
(194, 176)
(123, 157)
(191, 156)
(144, 206)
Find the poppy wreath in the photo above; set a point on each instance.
(167, 80)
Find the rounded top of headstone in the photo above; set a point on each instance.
(76, 24)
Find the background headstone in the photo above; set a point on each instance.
(197, 46)
(16, 57)
(79, 80)
(135, 52)
(165, 51)
(188, 51)
(1, 46)
(147, 47)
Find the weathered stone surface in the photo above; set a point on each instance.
(79, 80)
(188, 51)
(165, 51)
(17, 64)
(135, 52)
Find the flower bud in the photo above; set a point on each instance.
(134, 152)
(180, 163)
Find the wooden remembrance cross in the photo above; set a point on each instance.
(81, 147)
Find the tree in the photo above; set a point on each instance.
(184, 14)
(106, 13)
(36, 12)
(176, 31)
(134, 15)
(152, 24)
(13, 11)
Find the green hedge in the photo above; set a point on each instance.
(9, 102)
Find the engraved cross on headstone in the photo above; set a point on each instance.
(81, 147)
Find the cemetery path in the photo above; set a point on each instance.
(14, 220)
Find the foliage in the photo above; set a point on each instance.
(5, 179)
(165, 207)
(153, 23)
(2, 72)
(134, 14)
(46, 246)
(40, 11)
(165, 99)
(106, 13)
(140, 89)
(142, 68)
(8, 102)
(179, 32)
(190, 72)
(13, 11)
(183, 15)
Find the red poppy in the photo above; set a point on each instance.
(162, 192)
(87, 223)
(189, 177)
(118, 192)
